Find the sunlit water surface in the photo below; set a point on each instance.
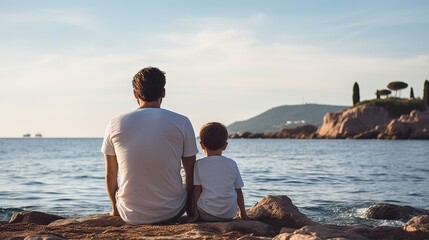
(331, 181)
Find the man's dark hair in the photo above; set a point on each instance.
(149, 84)
(213, 135)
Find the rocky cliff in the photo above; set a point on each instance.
(374, 122)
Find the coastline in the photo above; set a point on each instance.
(273, 217)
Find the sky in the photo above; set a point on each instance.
(66, 66)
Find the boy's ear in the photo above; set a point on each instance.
(225, 145)
(202, 145)
(163, 94)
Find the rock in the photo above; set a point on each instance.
(241, 226)
(354, 232)
(44, 237)
(325, 232)
(393, 212)
(353, 121)
(103, 220)
(287, 236)
(305, 131)
(388, 233)
(371, 121)
(412, 126)
(279, 211)
(418, 224)
(298, 132)
(371, 134)
(33, 217)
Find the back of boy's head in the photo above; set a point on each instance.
(213, 135)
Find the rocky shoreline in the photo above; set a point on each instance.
(273, 217)
(361, 122)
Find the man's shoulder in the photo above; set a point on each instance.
(172, 114)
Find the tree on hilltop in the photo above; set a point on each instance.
(412, 94)
(356, 95)
(426, 93)
(395, 86)
(384, 92)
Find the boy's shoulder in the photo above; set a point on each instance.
(216, 158)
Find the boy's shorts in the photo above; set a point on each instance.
(207, 217)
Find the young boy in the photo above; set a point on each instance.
(217, 180)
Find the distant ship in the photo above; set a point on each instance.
(26, 135)
(39, 135)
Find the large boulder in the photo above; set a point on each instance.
(418, 224)
(279, 211)
(319, 232)
(393, 212)
(35, 217)
(102, 220)
(353, 121)
(412, 126)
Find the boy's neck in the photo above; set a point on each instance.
(217, 152)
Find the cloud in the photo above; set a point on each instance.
(212, 75)
(69, 17)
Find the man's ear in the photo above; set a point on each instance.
(163, 94)
(135, 94)
(225, 145)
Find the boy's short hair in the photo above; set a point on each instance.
(149, 84)
(213, 135)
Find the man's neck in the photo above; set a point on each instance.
(154, 104)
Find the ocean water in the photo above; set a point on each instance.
(331, 181)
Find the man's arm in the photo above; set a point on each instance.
(193, 217)
(188, 166)
(112, 181)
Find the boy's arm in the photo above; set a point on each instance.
(188, 166)
(240, 202)
(111, 181)
(194, 212)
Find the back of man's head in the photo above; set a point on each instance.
(149, 84)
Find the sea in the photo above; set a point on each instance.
(331, 181)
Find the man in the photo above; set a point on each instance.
(145, 149)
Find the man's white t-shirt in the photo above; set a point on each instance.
(149, 144)
(219, 177)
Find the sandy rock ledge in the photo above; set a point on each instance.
(274, 217)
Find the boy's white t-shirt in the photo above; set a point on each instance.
(149, 144)
(219, 177)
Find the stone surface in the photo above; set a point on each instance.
(33, 217)
(393, 212)
(102, 220)
(412, 126)
(44, 237)
(353, 121)
(418, 224)
(270, 214)
(279, 211)
(374, 122)
(327, 232)
(305, 131)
